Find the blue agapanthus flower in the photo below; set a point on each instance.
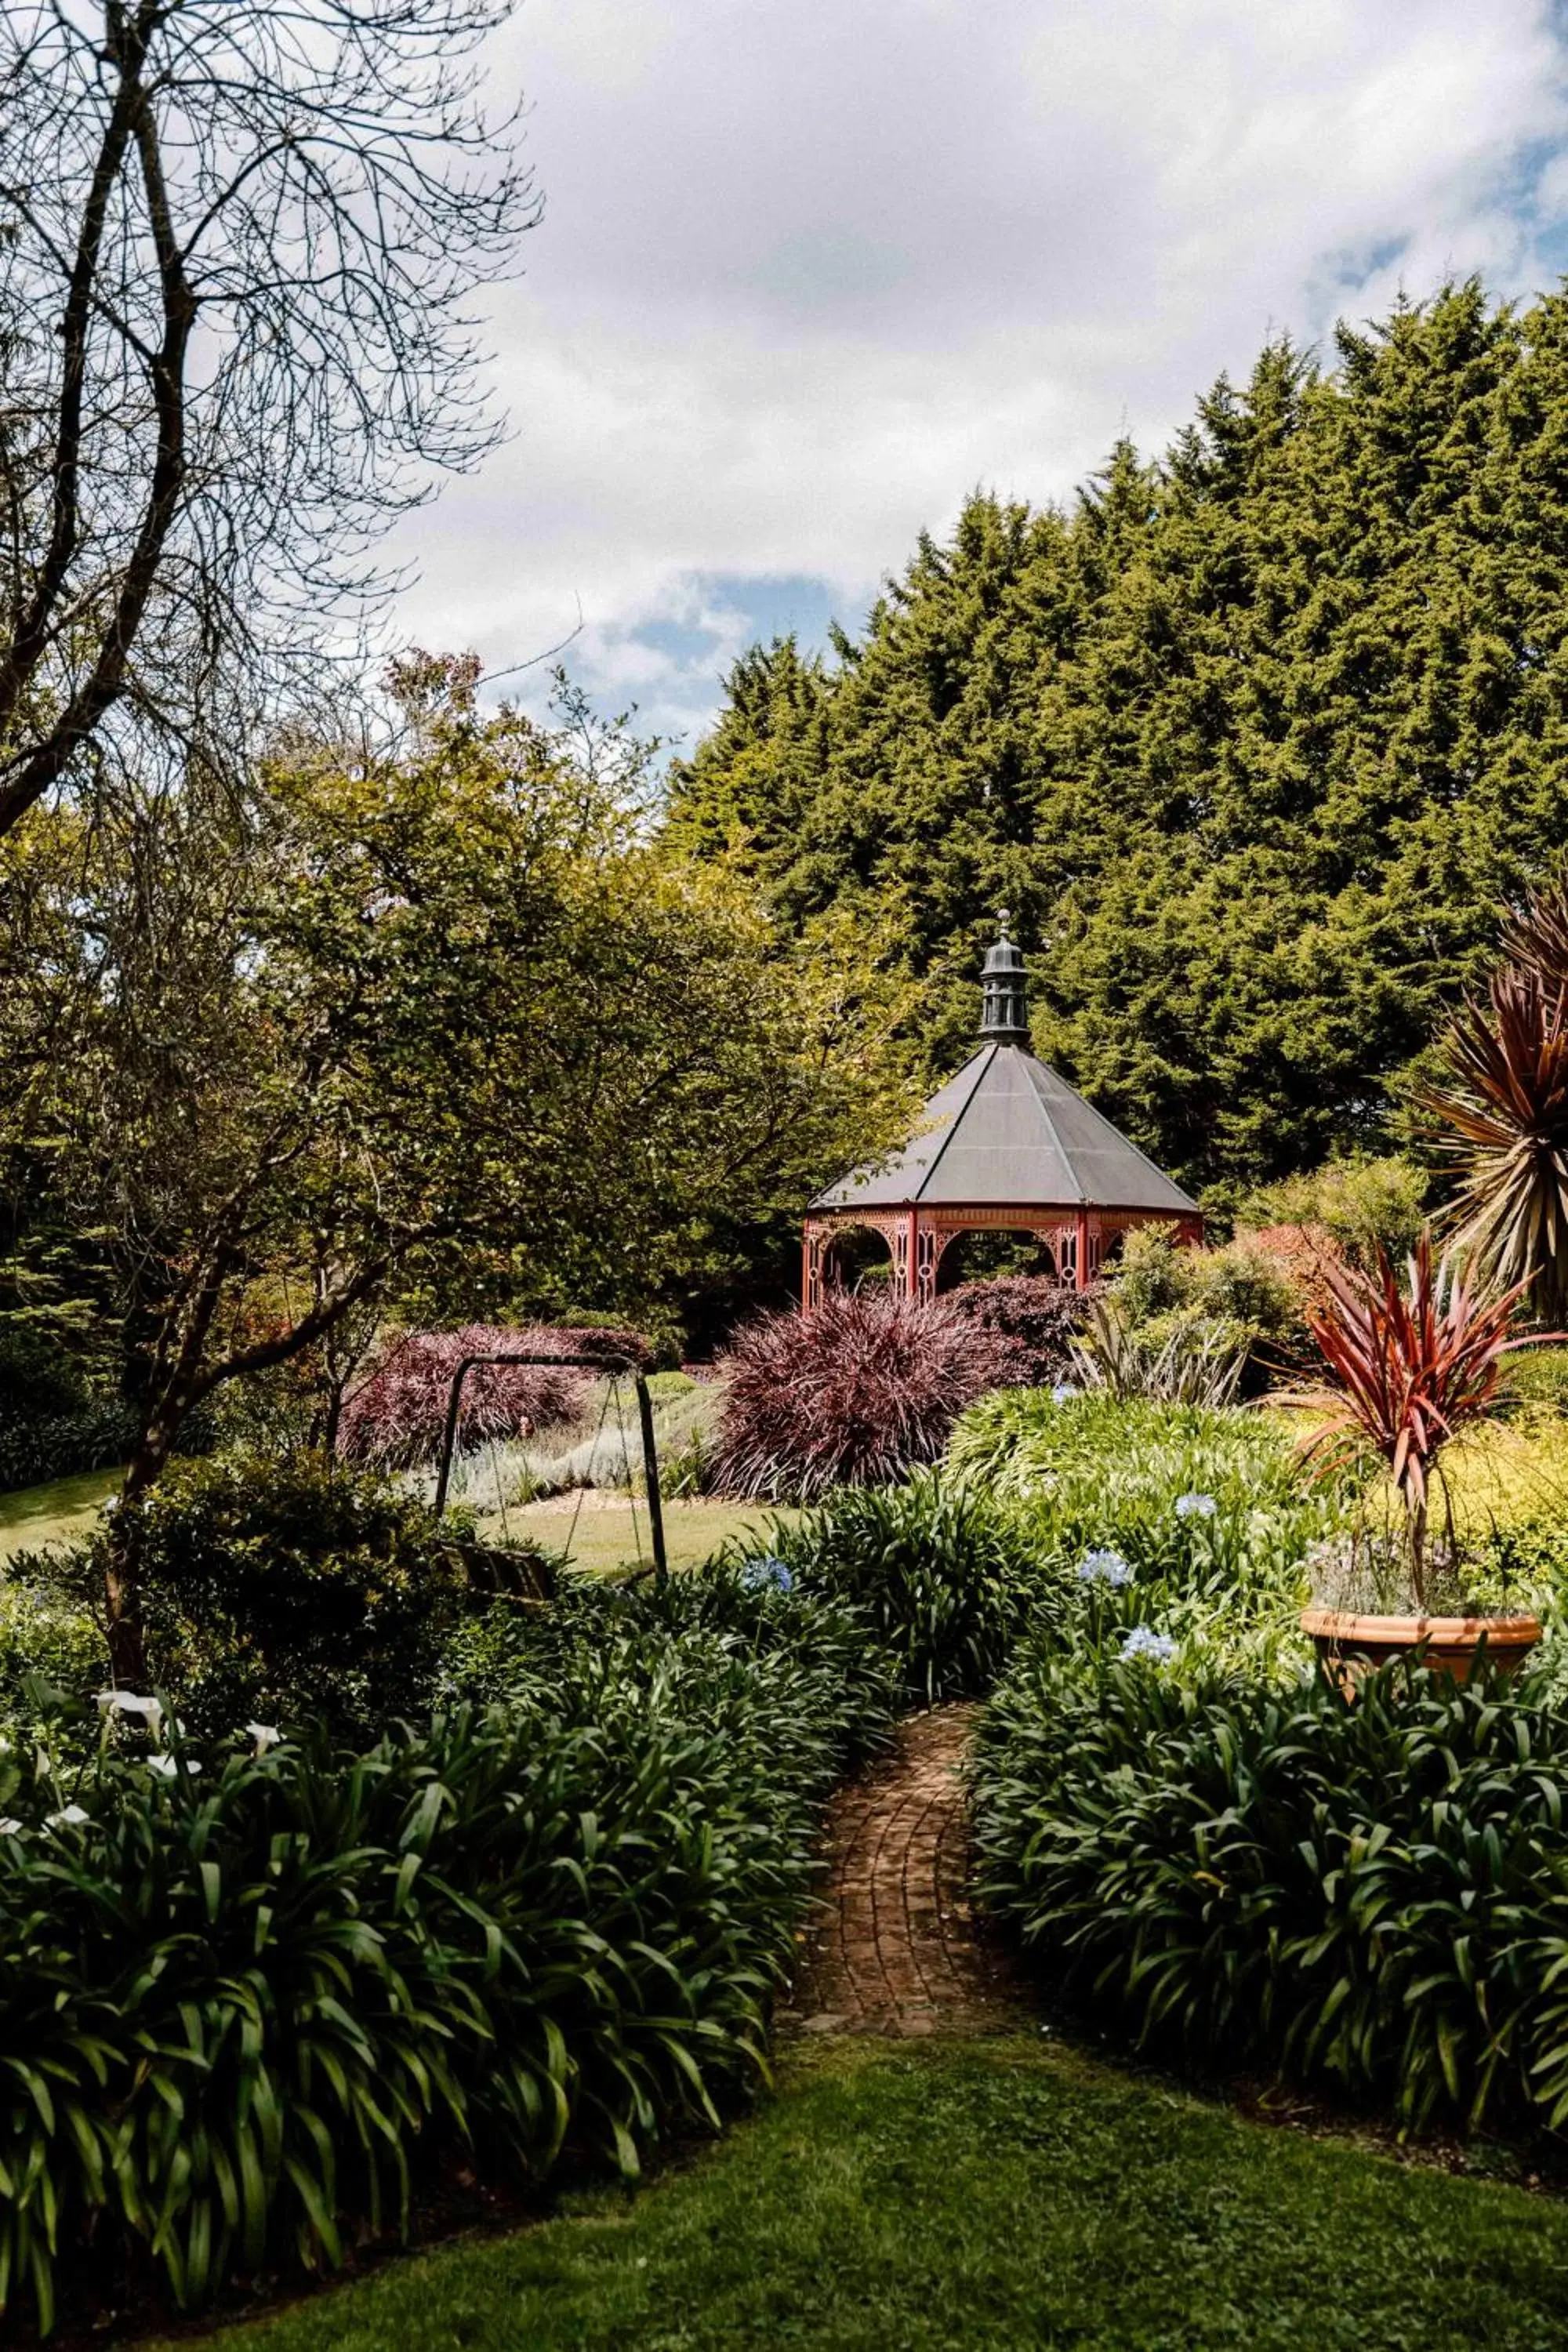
(1063, 1391)
(1144, 1642)
(769, 1574)
(1195, 1507)
(1103, 1568)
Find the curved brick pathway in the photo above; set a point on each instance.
(896, 1950)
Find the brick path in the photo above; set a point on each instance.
(896, 1950)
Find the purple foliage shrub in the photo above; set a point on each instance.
(1029, 1320)
(852, 1392)
(396, 1417)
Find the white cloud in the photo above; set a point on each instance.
(810, 272)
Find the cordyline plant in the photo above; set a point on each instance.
(1504, 1114)
(851, 1392)
(1409, 1364)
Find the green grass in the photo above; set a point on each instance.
(987, 2193)
(605, 1538)
(57, 1512)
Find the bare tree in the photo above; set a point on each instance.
(238, 239)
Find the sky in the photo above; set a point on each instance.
(809, 274)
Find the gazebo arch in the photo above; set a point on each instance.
(1004, 1147)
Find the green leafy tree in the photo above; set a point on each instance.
(436, 1008)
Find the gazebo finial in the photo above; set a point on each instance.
(1003, 1019)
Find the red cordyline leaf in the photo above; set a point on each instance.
(1408, 1364)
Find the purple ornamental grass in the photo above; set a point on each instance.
(396, 1417)
(851, 1392)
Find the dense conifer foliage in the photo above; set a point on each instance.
(1253, 739)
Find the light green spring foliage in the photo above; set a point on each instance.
(448, 1026)
(1362, 1204)
(1252, 738)
(1237, 1299)
(1239, 1284)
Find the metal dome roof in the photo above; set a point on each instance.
(1008, 1133)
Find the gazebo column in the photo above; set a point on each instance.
(816, 1241)
(929, 1245)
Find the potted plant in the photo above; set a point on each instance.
(1407, 1366)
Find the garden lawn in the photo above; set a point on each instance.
(61, 1512)
(1001, 2192)
(607, 1531)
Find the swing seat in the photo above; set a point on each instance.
(525, 1576)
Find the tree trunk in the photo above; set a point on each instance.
(121, 1575)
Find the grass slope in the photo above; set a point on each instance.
(59, 1513)
(606, 1534)
(987, 2193)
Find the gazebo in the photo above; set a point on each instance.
(1004, 1147)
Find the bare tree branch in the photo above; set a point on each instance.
(239, 245)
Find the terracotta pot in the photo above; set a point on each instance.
(1353, 1645)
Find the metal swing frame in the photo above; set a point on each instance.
(617, 1366)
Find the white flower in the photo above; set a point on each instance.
(266, 1735)
(1144, 1642)
(1104, 1568)
(1063, 1391)
(68, 1817)
(166, 1766)
(11, 1827)
(118, 1702)
(1195, 1507)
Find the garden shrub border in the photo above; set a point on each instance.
(248, 2007)
(1369, 1897)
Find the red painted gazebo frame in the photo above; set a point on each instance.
(976, 1115)
(917, 1238)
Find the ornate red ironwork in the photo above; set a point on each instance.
(918, 1239)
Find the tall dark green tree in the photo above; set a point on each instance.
(1255, 738)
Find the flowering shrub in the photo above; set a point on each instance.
(1263, 1878)
(396, 1416)
(852, 1392)
(270, 1999)
(1103, 1567)
(1195, 1507)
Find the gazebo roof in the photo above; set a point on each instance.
(1008, 1133)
